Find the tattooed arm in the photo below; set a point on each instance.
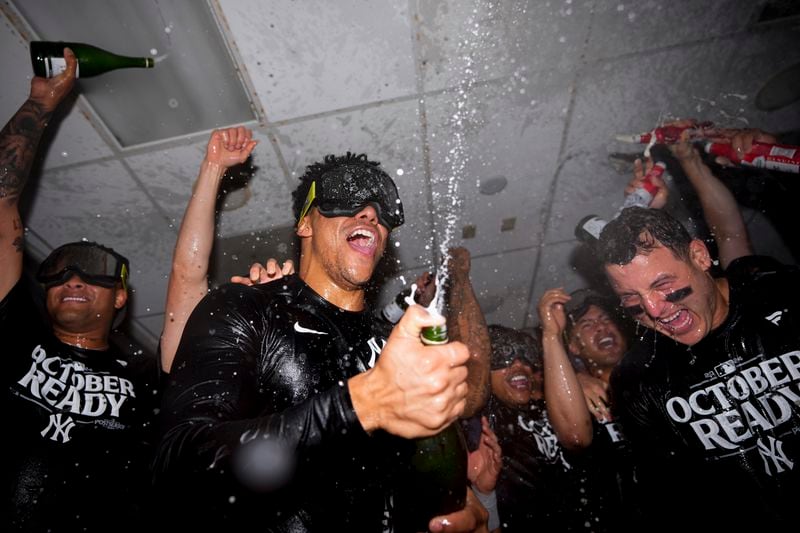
(18, 142)
(465, 323)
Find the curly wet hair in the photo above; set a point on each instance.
(330, 162)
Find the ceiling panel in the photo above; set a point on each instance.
(461, 41)
(170, 175)
(16, 60)
(508, 130)
(629, 96)
(323, 55)
(175, 98)
(501, 283)
(626, 28)
(759, 56)
(97, 203)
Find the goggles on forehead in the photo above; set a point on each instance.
(93, 263)
(345, 191)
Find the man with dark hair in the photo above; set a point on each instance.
(585, 326)
(279, 412)
(78, 412)
(541, 486)
(709, 399)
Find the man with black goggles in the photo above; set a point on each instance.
(346, 189)
(80, 409)
(303, 371)
(92, 262)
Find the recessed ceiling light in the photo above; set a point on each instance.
(493, 185)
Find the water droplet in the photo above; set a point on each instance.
(65, 154)
(153, 52)
(399, 171)
(173, 103)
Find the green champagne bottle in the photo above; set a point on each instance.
(434, 482)
(47, 58)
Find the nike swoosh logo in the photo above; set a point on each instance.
(300, 329)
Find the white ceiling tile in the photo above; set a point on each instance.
(620, 27)
(75, 141)
(755, 61)
(467, 41)
(563, 265)
(319, 56)
(17, 70)
(99, 202)
(505, 130)
(501, 283)
(628, 96)
(387, 133)
(170, 175)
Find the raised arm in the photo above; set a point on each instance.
(466, 323)
(720, 209)
(566, 406)
(188, 279)
(18, 143)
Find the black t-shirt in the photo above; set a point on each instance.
(716, 426)
(541, 486)
(261, 373)
(79, 437)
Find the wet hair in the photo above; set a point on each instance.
(509, 344)
(582, 300)
(330, 162)
(639, 230)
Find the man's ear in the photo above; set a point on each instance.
(699, 254)
(304, 227)
(120, 297)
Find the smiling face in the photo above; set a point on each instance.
(596, 338)
(79, 307)
(341, 252)
(675, 297)
(516, 384)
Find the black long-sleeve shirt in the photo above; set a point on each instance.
(258, 426)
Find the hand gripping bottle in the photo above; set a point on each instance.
(434, 482)
(781, 157)
(589, 228)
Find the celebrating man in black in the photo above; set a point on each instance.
(77, 411)
(710, 399)
(280, 414)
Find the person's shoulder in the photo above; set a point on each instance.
(758, 278)
(642, 363)
(756, 267)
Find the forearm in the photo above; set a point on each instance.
(563, 395)
(720, 211)
(466, 323)
(188, 280)
(19, 140)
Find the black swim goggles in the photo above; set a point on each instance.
(503, 356)
(93, 263)
(346, 190)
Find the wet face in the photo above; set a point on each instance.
(517, 384)
(77, 306)
(348, 248)
(675, 297)
(596, 338)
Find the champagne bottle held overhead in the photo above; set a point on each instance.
(47, 58)
(589, 228)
